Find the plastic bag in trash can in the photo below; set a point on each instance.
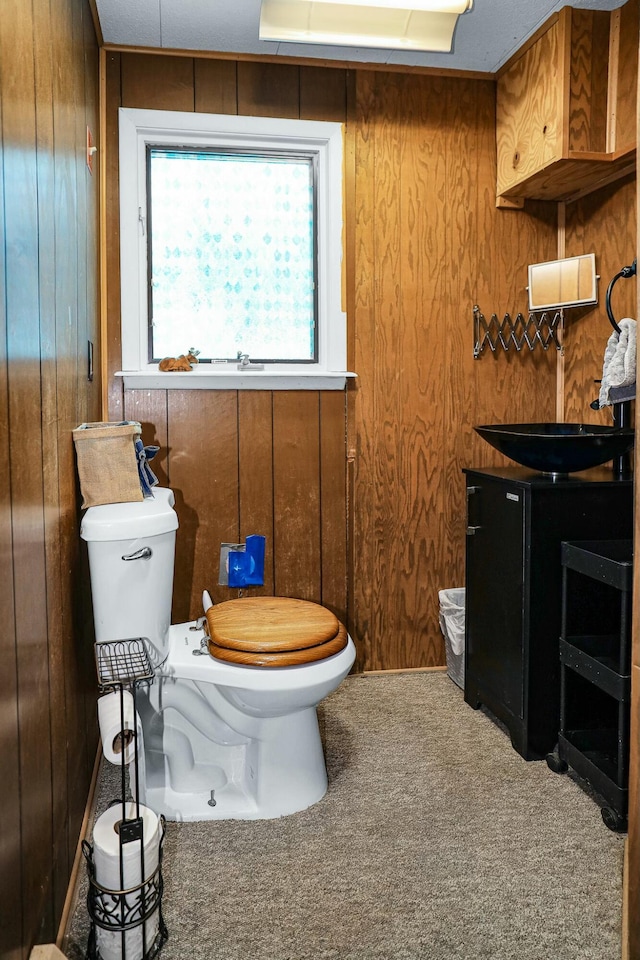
(452, 617)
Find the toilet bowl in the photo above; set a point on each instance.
(228, 726)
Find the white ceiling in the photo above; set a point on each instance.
(485, 37)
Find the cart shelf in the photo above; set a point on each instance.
(597, 659)
(595, 663)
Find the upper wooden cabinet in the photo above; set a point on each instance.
(566, 106)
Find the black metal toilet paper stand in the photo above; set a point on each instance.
(124, 665)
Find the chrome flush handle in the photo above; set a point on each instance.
(144, 553)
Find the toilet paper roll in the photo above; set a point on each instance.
(113, 734)
(106, 858)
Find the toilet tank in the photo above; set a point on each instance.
(131, 550)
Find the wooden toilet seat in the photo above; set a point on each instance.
(273, 632)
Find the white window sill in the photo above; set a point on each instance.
(204, 378)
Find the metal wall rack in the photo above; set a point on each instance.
(538, 329)
(124, 665)
(626, 272)
(621, 397)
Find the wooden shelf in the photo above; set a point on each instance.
(566, 104)
(574, 176)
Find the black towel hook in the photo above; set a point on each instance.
(625, 272)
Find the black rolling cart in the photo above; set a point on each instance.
(595, 666)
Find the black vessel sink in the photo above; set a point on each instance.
(557, 448)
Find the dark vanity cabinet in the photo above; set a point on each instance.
(516, 522)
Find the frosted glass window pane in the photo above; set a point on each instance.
(232, 255)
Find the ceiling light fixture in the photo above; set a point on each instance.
(398, 24)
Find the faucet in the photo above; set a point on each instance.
(246, 364)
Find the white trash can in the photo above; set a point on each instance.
(452, 626)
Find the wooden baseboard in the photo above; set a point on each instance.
(70, 898)
(46, 951)
(382, 673)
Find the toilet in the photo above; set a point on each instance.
(228, 727)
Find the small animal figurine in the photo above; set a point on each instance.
(183, 362)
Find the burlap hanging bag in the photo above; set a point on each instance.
(107, 462)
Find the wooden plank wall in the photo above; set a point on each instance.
(429, 245)
(603, 223)
(425, 243)
(239, 462)
(48, 311)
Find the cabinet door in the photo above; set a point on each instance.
(495, 593)
(530, 115)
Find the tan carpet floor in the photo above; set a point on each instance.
(435, 840)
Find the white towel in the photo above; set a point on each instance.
(619, 368)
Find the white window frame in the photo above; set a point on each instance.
(137, 128)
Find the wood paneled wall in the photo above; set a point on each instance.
(48, 311)
(429, 245)
(244, 462)
(603, 223)
(424, 244)
(239, 462)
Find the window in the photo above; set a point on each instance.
(231, 243)
(231, 247)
